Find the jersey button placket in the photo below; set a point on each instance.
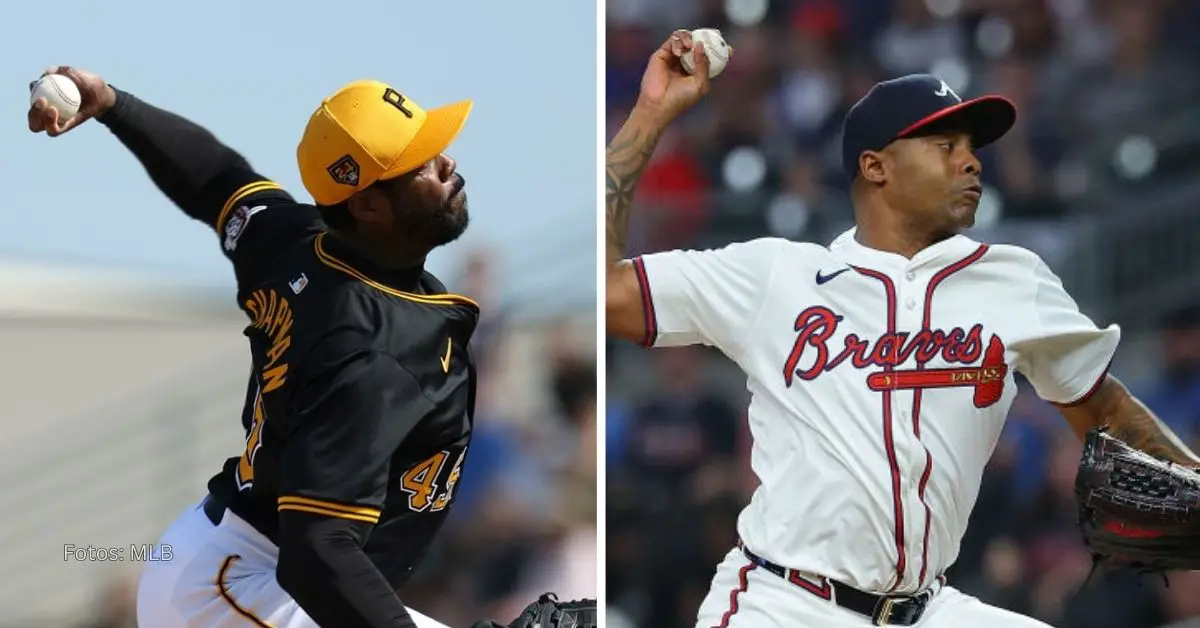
(910, 300)
(909, 294)
(908, 323)
(912, 454)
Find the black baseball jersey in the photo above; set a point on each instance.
(361, 399)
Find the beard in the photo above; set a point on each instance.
(438, 224)
(451, 222)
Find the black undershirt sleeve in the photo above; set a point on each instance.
(346, 423)
(323, 567)
(194, 169)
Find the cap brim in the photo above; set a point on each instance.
(986, 119)
(441, 127)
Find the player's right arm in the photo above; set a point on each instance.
(346, 420)
(205, 178)
(675, 297)
(667, 90)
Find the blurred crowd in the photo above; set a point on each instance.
(1105, 91)
(523, 522)
(1098, 176)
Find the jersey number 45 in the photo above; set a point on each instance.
(422, 481)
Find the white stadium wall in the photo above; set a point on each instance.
(120, 399)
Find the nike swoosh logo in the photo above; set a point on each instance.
(824, 278)
(446, 360)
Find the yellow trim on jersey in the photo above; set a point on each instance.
(332, 509)
(242, 192)
(223, 592)
(329, 513)
(321, 503)
(431, 299)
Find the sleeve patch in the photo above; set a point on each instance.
(238, 195)
(237, 223)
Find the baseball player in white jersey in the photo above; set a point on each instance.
(880, 367)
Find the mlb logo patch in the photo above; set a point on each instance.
(344, 171)
(299, 283)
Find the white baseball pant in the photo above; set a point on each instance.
(744, 595)
(220, 577)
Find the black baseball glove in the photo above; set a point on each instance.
(548, 612)
(1137, 511)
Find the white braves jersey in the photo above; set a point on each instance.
(879, 385)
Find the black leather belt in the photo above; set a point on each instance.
(213, 509)
(883, 610)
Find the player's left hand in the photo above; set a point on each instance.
(548, 612)
(1136, 510)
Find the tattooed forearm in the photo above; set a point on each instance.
(1131, 421)
(1136, 425)
(624, 162)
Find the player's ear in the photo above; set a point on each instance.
(871, 166)
(370, 207)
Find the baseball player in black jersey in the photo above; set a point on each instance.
(360, 403)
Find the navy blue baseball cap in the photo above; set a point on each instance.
(901, 107)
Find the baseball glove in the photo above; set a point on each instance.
(1137, 511)
(548, 612)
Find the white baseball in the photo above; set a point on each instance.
(715, 48)
(60, 92)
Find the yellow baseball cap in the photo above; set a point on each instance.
(367, 132)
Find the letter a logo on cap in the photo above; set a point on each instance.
(946, 91)
(345, 171)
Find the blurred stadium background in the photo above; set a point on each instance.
(1099, 177)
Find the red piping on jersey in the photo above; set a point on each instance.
(650, 319)
(889, 443)
(916, 413)
(1091, 391)
(743, 584)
